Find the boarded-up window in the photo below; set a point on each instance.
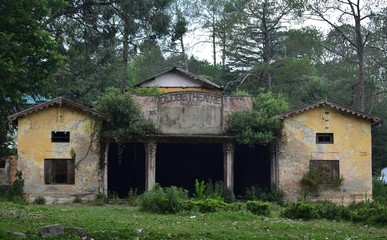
(59, 171)
(324, 138)
(60, 136)
(329, 169)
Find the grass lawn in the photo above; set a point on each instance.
(124, 222)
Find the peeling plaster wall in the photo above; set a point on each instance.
(352, 147)
(190, 113)
(34, 146)
(8, 173)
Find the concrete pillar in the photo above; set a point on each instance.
(228, 165)
(150, 165)
(105, 170)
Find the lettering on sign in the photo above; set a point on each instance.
(190, 99)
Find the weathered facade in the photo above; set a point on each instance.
(58, 150)
(8, 170)
(332, 139)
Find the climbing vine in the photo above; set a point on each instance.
(95, 133)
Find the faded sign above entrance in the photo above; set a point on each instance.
(191, 113)
(191, 98)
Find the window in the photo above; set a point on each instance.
(59, 171)
(60, 136)
(324, 138)
(329, 169)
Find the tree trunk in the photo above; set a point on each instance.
(125, 57)
(266, 50)
(213, 38)
(183, 56)
(360, 57)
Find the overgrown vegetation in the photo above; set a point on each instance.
(163, 200)
(256, 193)
(14, 192)
(261, 125)
(125, 222)
(126, 119)
(313, 182)
(379, 191)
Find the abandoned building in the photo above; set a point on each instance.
(59, 152)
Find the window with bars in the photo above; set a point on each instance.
(59, 171)
(324, 138)
(329, 169)
(60, 136)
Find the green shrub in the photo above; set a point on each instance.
(15, 192)
(300, 210)
(379, 191)
(101, 199)
(77, 199)
(40, 200)
(214, 190)
(313, 182)
(163, 200)
(228, 196)
(115, 200)
(258, 208)
(331, 211)
(146, 91)
(368, 212)
(205, 205)
(256, 193)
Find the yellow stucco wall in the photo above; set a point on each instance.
(34, 146)
(189, 89)
(352, 147)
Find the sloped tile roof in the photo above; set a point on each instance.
(203, 81)
(374, 120)
(59, 101)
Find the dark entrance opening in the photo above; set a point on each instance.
(251, 168)
(180, 164)
(127, 172)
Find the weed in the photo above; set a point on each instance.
(200, 188)
(40, 200)
(132, 197)
(77, 199)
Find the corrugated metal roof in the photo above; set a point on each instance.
(59, 101)
(185, 72)
(374, 120)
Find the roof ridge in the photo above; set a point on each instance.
(375, 120)
(61, 102)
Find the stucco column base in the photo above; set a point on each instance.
(150, 165)
(228, 166)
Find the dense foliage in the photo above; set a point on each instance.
(261, 125)
(254, 44)
(126, 119)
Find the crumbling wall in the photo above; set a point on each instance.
(8, 173)
(35, 146)
(191, 113)
(351, 147)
